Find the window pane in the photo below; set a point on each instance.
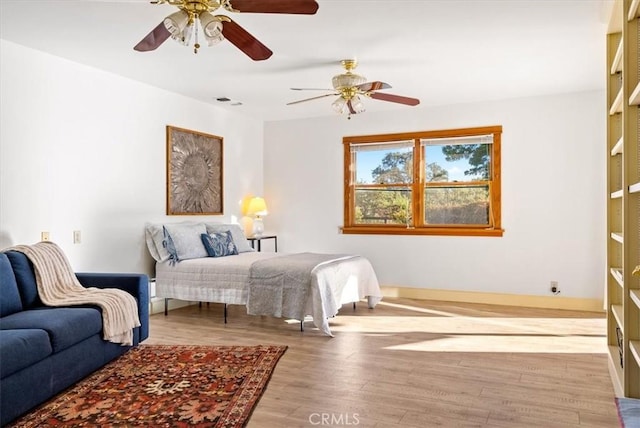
(457, 205)
(383, 206)
(457, 162)
(388, 166)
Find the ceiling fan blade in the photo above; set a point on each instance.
(155, 38)
(312, 98)
(373, 86)
(245, 41)
(394, 98)
(311, 89)
(303, 7)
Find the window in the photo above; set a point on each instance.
(424, 183)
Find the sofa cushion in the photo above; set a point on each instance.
(65, 326)
(9, 296)
(26, 279)
(22, 348)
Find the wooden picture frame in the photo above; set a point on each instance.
(194, 172)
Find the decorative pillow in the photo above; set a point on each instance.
(154, 236)
(219, 244)
(237, 233)
(182, 241)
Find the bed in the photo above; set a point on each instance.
(274, 284)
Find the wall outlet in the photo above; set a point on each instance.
(44, 236)
(554, 287)
(76, 237)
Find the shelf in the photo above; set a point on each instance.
(634, 347)
(616, 107)
(616, 195)
(615, 370)
(616, 273)
(634, 188)
(617, 148)
(617, 236)
(616, 65)
(634, 99)
(633, 10)
(635, 297)
(617, 314)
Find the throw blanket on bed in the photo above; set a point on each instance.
(279, 286)
(59, 286)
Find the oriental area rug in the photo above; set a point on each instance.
(172, 386)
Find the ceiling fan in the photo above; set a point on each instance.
(349, 87)
(181, 25)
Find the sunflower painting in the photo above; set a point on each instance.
(194, 172)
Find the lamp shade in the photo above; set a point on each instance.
(257, 207)
(244, 205)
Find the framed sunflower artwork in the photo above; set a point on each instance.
(194, 173)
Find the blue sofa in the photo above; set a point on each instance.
(44, 350)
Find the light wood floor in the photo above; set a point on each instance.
(411, 363)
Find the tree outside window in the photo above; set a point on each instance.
(434, 182)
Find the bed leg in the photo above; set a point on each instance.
(354, 306)
(166, 307)
(200, 304)
(225, 313)
(302, 325)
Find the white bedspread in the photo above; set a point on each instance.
(226, 280)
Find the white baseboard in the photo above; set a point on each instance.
(547, 302)
(156, 305)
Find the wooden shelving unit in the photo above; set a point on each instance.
(623, 207)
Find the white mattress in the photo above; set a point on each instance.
(226, 280)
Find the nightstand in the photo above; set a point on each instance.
(259, 239)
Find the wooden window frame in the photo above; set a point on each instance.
(419, 184)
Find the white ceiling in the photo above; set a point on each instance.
(440, 51)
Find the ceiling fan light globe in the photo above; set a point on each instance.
(176, 23)
(185, 37)
(357, 104)
(211, 41)
(339, 105)
(212, 28)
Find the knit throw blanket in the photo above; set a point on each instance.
(59, 286)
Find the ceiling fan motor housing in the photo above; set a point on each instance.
(347, 80)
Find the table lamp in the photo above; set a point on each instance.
(257, 209)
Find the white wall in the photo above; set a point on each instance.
(81, 149)
(553, 197)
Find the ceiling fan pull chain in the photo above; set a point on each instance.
(196, 24)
